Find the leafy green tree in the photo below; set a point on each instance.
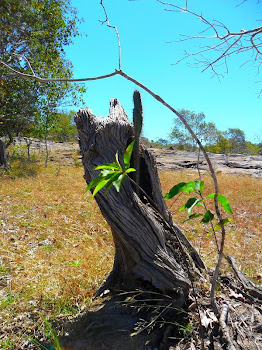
(18, 105)
(232, 141)
(237, 139)
(260, 148)
(259, 141)
(32, 37)
(251, 148)
(220, 144)
(205, 131)
(64, 128)
(162, 142)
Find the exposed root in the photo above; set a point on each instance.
(248, 285)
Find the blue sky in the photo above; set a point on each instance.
(145, 28)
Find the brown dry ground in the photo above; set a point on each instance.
(56, 248)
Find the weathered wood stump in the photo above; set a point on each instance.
(146, 247)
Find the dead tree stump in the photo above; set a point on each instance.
(146, 246)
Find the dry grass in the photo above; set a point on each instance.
(48, 222)
(243, 233)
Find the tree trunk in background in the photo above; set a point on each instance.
(2, 154)
(28, 142)
(147, 248)
(46, 149)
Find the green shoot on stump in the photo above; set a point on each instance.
(112, 174)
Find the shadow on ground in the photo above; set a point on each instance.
(113, 324)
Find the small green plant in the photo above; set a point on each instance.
(50, 334)
(77, 159)
(75, 264)
(199, 201)
(77, 162)
(112, 174)
(6, 301)
(7, 344)
(3, 269)
(186, 329)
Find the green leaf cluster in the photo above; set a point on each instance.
(187, 187)
(198, 200)
(112, 174)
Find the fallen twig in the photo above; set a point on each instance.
(224, 328)
(249, 286)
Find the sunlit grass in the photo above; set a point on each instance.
(56, 247)
(243, 233)
(47, 223)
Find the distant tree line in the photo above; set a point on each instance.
(233, 140)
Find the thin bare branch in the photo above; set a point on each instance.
(209, 48)
(242, 2)
(47, 80)
(223, 54)
(22, 57)
(115, 29)
(252, 41)
(204, 204)
(212, 25)
(230, 42)
(191, 12)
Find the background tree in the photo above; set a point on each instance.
(205, 131)
(237, 139)
(220, 143)
(252, 148)
(259, 141)
(33, 34)
(64, 129)
(162, 142)
(18, 105)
